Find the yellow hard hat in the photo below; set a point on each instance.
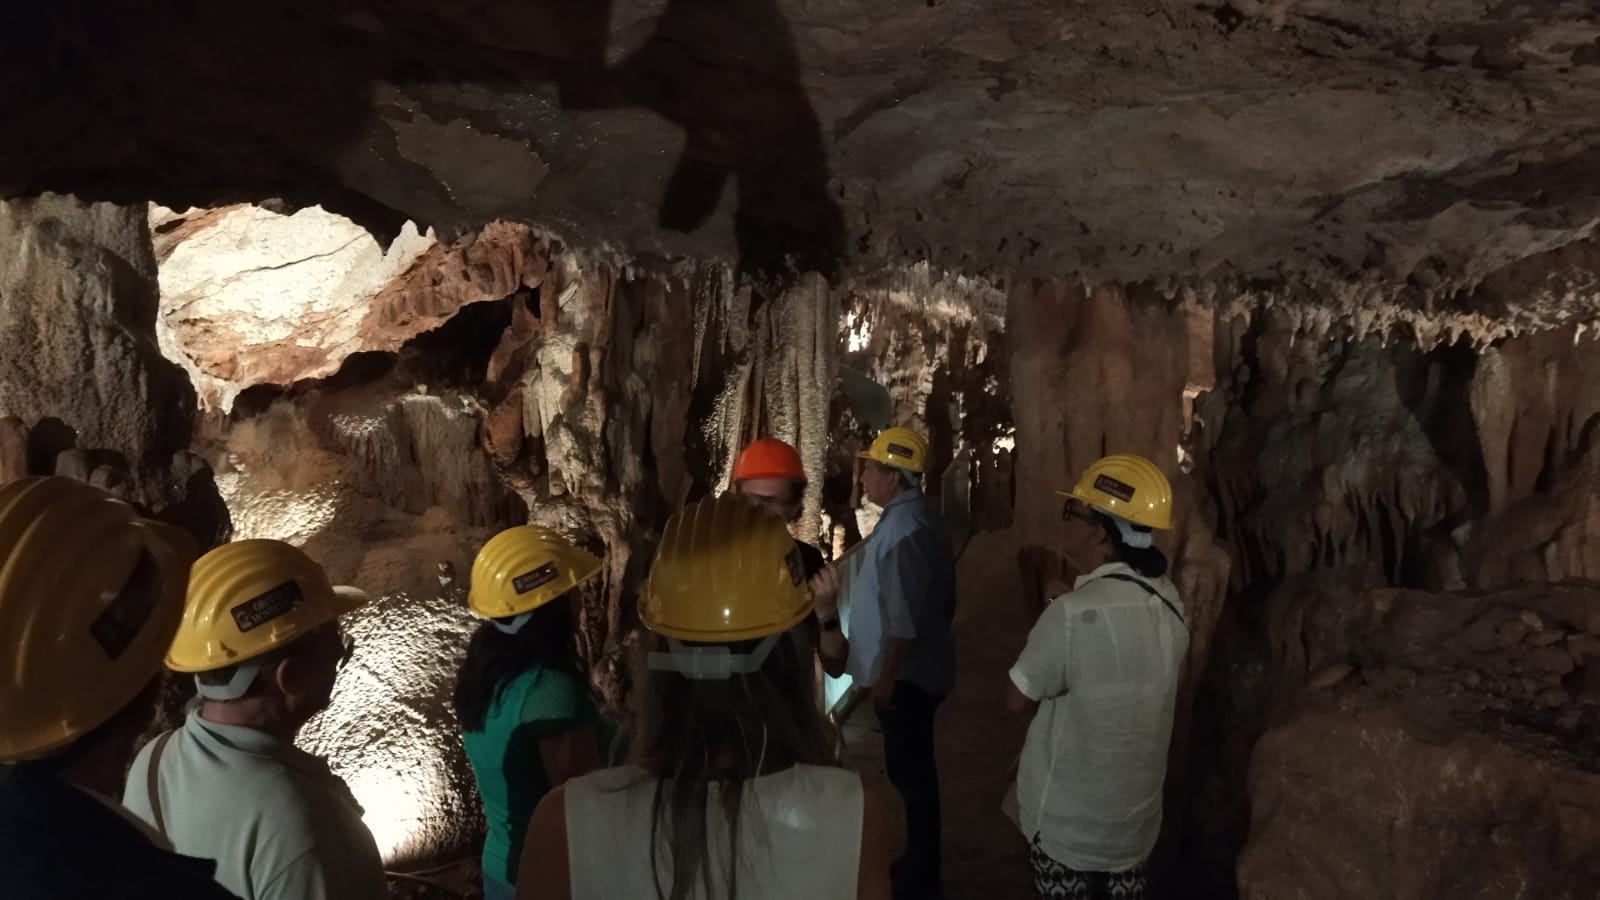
(1129, 487)
(900, 448)
(726, 570)
(90, 595)
(523, 568)
(250, 597)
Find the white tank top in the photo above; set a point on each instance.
(799, 836)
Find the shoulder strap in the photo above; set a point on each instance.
(1153, 592)
(153, 779)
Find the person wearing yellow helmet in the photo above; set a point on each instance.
(90, 596)
(527, 718)
(733, 788)
(902, 601)
(261, 636)
(1100, 671)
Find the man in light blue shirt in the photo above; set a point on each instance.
(900, 645)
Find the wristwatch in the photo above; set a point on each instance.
(829, 624)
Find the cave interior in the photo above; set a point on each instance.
(382, 277)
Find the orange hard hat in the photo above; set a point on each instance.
(768, 458)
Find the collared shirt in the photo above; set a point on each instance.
(1103, 663)
(906, 589)
(59, 842)
(280, 825)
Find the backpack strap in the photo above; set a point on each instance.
(153, 780)
(1153, 592)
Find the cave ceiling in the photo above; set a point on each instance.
(1427, 144)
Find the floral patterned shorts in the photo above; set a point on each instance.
(1054, 881)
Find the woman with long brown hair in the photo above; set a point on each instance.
(527, 719)
(734, 790)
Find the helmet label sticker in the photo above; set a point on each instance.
(900, 450)
(796, 564)
(263, 609)
(116, 627)
(1107, 484)
(536, 579)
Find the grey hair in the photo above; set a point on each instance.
(263, 663)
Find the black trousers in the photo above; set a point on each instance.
(908, 756)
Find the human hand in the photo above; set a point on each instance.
(883, 695)
(825, 593)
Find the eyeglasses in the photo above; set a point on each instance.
(1068, 511)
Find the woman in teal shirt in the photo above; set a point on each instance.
(526, 714)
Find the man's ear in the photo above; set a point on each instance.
(288, 676)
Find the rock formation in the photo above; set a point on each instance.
(84, 389)
(1442, 745)
(78, 310)
(383, 485)
(1342, 467)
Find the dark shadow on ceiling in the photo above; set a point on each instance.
(192, 103)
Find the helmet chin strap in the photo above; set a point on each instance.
(244, 675)
(1131, 535)
(713, 662)
(513, 624)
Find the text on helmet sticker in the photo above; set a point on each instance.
(899, 450)
(260, 610)
(536, 579)
(1117, 489)
(116, 627)
(796, 564)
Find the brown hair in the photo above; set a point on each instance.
(691, 734)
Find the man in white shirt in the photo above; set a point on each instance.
(261, 634)
(1101, 668)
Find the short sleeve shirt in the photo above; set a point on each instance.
(537, 704)
(278, 822)
(1103, 663)
(905, 590)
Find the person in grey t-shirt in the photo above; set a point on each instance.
(261, 634)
